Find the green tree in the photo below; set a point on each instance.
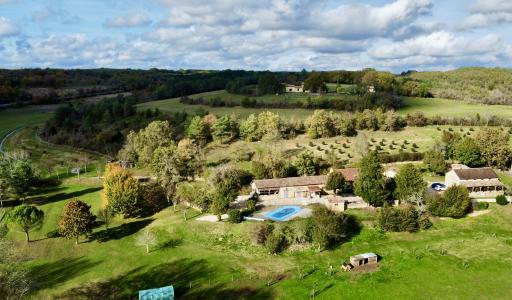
(270, 125)
(76, 220)
(331, 228)
(259, 170)
(315, 83)
(320, 124)
(225, 193)
(249, 129)
(27, 218)
(454, 202)
(141, 145)
(16, 173)
(371, 184)
(409, 183)
(466, 151)
(225, 129)
(121, 192)
(494, 146)
(198, 130)
(305, 164)
(336, 182)
(268, 84)
(434, 162)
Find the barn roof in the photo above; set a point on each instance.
(290, 181)
(475, 173)
(363, 256)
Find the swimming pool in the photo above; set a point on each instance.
(283, 213)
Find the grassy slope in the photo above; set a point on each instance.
(429, 106)
(218, 259)
(16, 117)
(484, 85)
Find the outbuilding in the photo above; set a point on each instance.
(476, 180)
(364, 259)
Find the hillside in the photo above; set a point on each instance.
(484, 85)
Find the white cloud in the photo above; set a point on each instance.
(438, 45)
(129, 20)
(8, 28)
(491, 6)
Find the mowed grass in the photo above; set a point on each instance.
(217, 260)
(429, 106)
(454, 108)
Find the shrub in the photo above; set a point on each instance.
(275, 243)
(501, 200)
(234, 216)
(261, 232)
(424, 222)
(480, 205)
(454, 203)
(404, 218)
(251, 205)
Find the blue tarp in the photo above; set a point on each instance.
(163, 293)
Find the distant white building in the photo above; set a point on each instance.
(476, 180)
(291, 88)
(371, 89)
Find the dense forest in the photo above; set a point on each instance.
(42, 86)
(102, 126)
(482, 85)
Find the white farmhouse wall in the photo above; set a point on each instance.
(451, 179)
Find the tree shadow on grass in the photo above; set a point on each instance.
(49, 275)
(120, 231)
(62, 196)
(180, 273)
(171, 243)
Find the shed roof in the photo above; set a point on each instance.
(363, 256)
(475, 173)
(482, 183)
(290, 181)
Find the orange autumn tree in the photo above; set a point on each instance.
(121, 192)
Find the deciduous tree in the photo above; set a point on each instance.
(76, 220)
(27, 218)
(121, 192)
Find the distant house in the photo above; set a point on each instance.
(371, 89)
(476, 180)
(292, 88)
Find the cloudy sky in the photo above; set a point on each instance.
(394, 35)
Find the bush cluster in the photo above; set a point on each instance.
(454, 202)
(403, 218)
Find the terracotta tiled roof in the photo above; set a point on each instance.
(350, 174)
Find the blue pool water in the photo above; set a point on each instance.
(283, 213)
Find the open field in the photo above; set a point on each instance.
(454, 108)
(429, 106)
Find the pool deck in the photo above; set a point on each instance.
(303, 213)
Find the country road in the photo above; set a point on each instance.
(4, 139)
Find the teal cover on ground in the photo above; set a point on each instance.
(163, 293)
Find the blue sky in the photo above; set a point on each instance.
(393, 35)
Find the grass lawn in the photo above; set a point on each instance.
(217, 260)
(454, 108)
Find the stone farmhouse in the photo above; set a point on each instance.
(478, 181)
